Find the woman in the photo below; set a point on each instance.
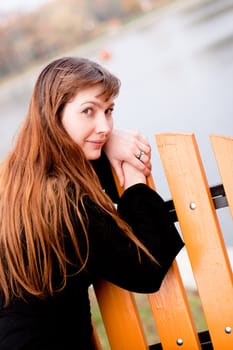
(60, 231)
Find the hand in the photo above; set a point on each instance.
(127, 145)
(132, 175)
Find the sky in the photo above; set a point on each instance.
(7, 6)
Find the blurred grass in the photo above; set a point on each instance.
(146, 317)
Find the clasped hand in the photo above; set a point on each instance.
(130, 147)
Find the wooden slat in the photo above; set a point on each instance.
(171, 310)
(201, 231)
(120, 317)
(172, 314)
(223, 150)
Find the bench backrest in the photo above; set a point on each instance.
(198, 221)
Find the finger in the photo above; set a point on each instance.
(140, 140)
(147, 172)
(145, 147)
(135, 162)
(145, 159)
(148, 166)
(143, 139)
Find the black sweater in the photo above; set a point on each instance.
(64, 321)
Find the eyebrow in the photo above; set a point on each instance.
(97, 103)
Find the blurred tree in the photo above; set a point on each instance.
(104, 10)
(56, 26)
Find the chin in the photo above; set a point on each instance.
(94, 155)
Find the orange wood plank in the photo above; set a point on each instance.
(201, 231)
(170, 307)
(171, 310)
(172, 314)
(120, 317)
(223, 150)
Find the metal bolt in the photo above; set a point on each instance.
(179, 342)
(228, 330)
(192, 205)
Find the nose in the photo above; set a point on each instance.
(103, 124)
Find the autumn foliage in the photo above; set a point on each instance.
(60, 25)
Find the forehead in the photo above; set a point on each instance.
(93, 93)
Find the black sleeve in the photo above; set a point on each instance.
(115, 258)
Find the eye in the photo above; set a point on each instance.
(109, 112)
(88, 111)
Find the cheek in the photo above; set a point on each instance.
(68, 125)
(71, 127)
(75, 136)
(111, 124)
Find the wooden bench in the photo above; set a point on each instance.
(194, 204)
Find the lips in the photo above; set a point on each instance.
(97, 143)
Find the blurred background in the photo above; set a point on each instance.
(174, 58)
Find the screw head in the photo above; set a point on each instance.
(179, 342)
(228, 330)
(192, 205)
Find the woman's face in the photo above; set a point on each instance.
(87, 118)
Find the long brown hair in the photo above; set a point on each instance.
(34, 204)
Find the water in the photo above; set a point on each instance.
(176, 68)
